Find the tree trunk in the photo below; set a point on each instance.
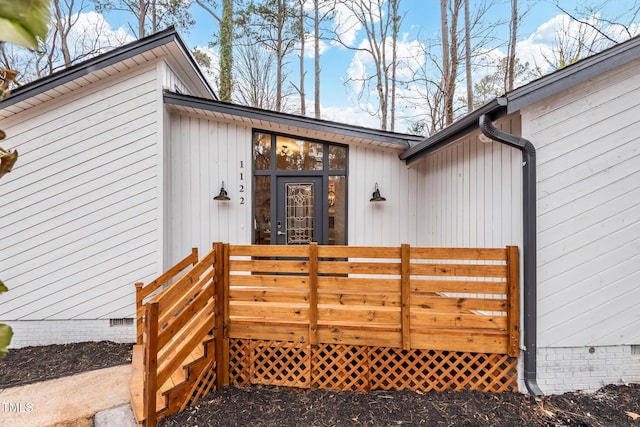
(316, 56)
(395, 4)
(446, 66)
(467, 55)
(511, 58)
(142, 17)
(226, 51)
(303, 107)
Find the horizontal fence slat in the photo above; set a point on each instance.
(263, 294)
(459, 270)
(358, 252)
(449, 320)
(459, 286)
(364, 315)
(252, 329)
(269, 266)
(460, 341)
(357, 298)
(344, 267)
(271, 280)
(374, 284)
(342, 334)
(267, 311)
(497, 254)
(454, 304)
(269, 251)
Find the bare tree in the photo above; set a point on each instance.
(150, 15)
(273, 25)
(255, 75)
(301, 36)
(395, 29)
(377, 23)
(435, 79)
(467, 55)
(450, 57)
(609, 29)
(72, 37)
(322, 11)
(511, 56)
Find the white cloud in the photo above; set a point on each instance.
(349, 114)
(91, 35)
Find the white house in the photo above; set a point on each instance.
(121, 158)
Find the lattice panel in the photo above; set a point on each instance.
(239, 364)
(361, 368)
(341, 367)
(205, 382)
(280, 363)
(424, 370)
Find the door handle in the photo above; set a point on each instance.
(281, 233)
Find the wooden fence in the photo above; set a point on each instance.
(401, 297)
(340, 317)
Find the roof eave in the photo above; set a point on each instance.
(467, 124)
(402, 141)
(106, 59)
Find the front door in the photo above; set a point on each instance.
(299, 210)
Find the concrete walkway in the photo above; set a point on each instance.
(71, 401)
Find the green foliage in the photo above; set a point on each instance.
(22, 22)
(5, 331)
(493, 85)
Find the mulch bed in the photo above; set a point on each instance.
(31, 364)
(613, 405)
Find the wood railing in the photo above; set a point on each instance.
(144, 292)
(176, 321)
(317, 297)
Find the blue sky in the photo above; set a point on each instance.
(421, 24)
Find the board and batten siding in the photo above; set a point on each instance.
(202, 153)
(390, 223)
(588, 150)
(469, 194)
(80, 211)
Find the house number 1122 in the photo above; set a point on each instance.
(241, 185)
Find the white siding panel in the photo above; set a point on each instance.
(79, 210)
(470, 195)
(204, 153)
(379, 224)
(588, 148)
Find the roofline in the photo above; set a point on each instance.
(529, 94)
(465, 125)
(574, 74)
(104, 60)
(400, 139)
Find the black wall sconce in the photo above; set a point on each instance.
(223, 194)
(376, 197)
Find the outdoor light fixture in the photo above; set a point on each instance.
(223, 194)
(376, 197)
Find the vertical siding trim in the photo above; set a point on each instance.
(161, 132)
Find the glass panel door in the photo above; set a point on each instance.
(299, 211)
